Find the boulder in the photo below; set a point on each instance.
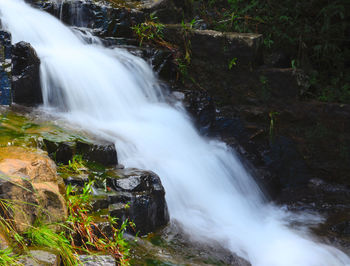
(30, 183)
(135, 195)
(60, 152)
(63, 151)
(103, 153)
(5, 68)
(141, 198)
(26, 75)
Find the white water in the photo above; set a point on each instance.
(117, 96)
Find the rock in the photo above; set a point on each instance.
(132, 194)
(60, 152)
(286, 162)
(201, 106)
(103, 153)
(218, 47)
(160, 59)
(97, 260)
(29, 179)
(278, 59)
(5, 68)
(63, 151)
(145, 195)
(4, 242)
(106, 20)
(26, 75)
(21, 192)
(41, 258)
(283, 83)
(167, 11)
(77, 180)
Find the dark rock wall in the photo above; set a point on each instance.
(5, 68)
(26, 75)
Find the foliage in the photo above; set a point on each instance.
(38, 235)
(87, 233)
(42, 235)
(273, 118)
(75, 166)
(7, 257)
(232, 63)
(150, 30)
(314, 34)
(78, 234)
(265, 88)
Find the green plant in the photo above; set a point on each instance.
(75, 166)
(150, 30)
(182, 69)
(273, 118)
(7, 257)
(87, 233)
(265, 88)
(38, 235)
(232, 63)
(43, 236)
(77, 163)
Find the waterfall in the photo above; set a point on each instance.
(116, 95)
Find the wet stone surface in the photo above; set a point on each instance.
(5, 68)
(26, 75)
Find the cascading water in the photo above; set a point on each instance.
(116, 95)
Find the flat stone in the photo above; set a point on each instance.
(219, 47)
(97, 260)
(41, 258)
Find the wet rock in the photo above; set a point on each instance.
(5, 68)
(26, 75)
(77, 180)
(30, 179)
(160, 59)
(201, 106)
(60, 152)
(97, 260)
(162, 62)
(101, 16)
(141, 197)
(103, 153)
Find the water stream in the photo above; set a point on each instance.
(116, 95)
